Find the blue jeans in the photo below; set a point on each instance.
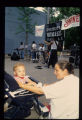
(22, 54)
(33, 54)
(29, 52)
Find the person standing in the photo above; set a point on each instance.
(34, 47)
(21, 48)
(43, 53)
(53, 52)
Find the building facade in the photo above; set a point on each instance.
(12, 40)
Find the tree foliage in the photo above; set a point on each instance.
(25, 18)
(72, 35)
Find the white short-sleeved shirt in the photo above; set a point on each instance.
(21, 46)
(64, 97)
(40, 49)
(34, 46)
(54, 46)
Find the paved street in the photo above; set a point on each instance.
(44, 75)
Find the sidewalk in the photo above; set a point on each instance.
(44, 75)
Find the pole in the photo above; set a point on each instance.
(48, 16)
(64, 41)
(47, 20)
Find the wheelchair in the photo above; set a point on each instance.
(19, 102)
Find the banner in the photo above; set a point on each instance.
(72, 21)
(39, 30)
(53, 31)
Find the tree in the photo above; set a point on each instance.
(72, 35)
(50, 12)
(25, 18)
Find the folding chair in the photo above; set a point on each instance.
(22, 99)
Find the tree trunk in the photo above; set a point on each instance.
(26, 43)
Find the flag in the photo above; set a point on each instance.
(72, 21)
(39, 30)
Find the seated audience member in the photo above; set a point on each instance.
(22, 79)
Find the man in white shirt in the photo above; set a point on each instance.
(21, 48)
(34, 47)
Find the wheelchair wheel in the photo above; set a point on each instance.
(37, 109)
(41, 117)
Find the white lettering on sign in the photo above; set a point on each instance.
(54, 34)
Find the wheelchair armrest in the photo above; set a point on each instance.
(34, 80)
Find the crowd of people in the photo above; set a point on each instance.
(36, 51)
(45, 53)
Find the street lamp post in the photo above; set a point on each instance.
(48, 16)
(64, 41)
